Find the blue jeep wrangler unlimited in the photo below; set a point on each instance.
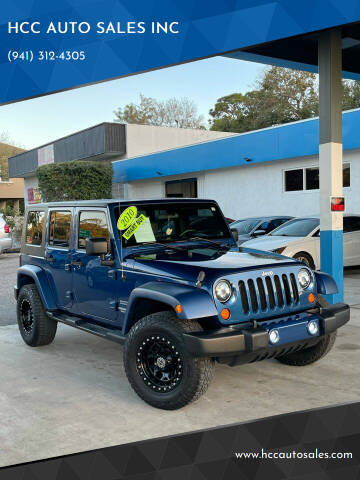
(166, 278)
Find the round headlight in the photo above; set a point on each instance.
(223, 291)
(304, 278)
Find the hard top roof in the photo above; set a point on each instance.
(113, 201)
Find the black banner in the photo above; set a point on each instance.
(314, 444)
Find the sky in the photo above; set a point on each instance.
(35, 122)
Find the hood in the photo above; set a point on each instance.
(269, 242)
(183, 267)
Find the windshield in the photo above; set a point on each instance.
(300, 227)
(171, 222)
(245, 226)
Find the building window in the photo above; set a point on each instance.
(308, 178)
(346, 175)
(34, 227)
(186, 188)
(312, 178)
(59, 233)
(294, 180)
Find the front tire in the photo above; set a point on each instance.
(36, 328)
(311, 354)
(159, 368)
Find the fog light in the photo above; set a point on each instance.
(274, 336)
(313, 327)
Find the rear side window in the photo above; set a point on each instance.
(92, 224)
(35, 227)
(59, 229)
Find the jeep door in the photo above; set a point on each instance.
(95, 289)
(58, 255)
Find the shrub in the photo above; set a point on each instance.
(77, 180)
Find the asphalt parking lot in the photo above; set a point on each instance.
(73, 395)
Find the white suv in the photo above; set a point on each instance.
(5, 239)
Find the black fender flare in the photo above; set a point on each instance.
(195, 302)
(38, 275)
(325, 283)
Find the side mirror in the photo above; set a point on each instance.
(235, 234)
(96, 247)
(258, 233)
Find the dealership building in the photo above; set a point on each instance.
(274, 171)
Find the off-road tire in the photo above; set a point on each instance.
(43, 329)
(197, 373)
(306, 258)
(310, 355)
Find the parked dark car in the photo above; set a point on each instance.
(249, 228)
(166, 279)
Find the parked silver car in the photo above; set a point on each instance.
(250, 228)
(5, 239)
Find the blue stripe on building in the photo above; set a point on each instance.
(278, 143)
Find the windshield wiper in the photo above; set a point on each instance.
(213, 242)
(166, 245)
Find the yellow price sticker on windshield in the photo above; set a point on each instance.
(134, 226)
(127, 217)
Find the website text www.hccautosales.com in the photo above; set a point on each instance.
(293, 454)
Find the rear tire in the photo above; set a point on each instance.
(305, 258)
(157, 365)
(36, 328)
(311, 354)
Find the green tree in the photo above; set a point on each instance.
(351, 94)
(280, 96)
(173, 112)
(7, 149)
(76, 180)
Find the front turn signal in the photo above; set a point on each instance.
(311, 298)
(225, 314)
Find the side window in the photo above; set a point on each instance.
(269, 226)
(35, 227)
(59, 229)
(92, 224)
(272, 225)
(263, 226)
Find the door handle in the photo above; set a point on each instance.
(75, 263)
(50, 258)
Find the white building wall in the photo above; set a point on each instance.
(145, 139)
(257, 189)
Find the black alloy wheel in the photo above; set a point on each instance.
(159, 363)
(27, 316)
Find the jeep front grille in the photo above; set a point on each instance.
(268, 293)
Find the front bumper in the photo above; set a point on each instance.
(240, 345)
